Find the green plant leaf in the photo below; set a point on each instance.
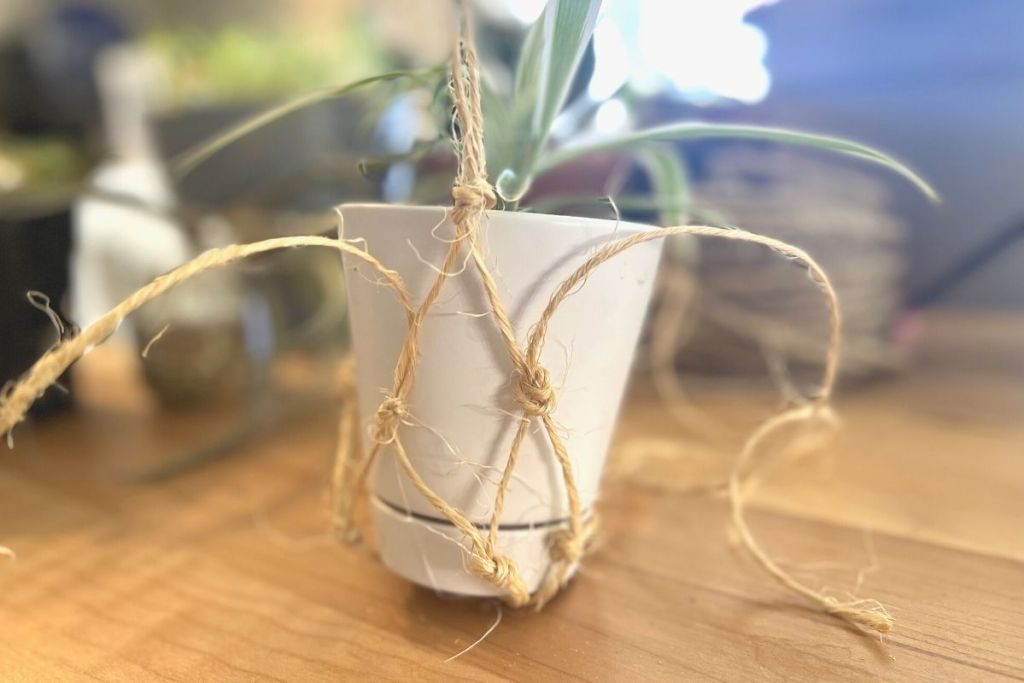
(500, 135)
(186, 162)
(630, 203)
(548, 62)
(698, 130)
(530, 55)
(664, 168)
(564, 31)
(375, 166)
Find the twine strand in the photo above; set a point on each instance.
(531, 389)
(346, 474)
(16, 399)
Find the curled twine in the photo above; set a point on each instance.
(532, 390)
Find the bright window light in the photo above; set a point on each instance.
(611, 117)
(611, 65)
(703, 49)
(526, 11)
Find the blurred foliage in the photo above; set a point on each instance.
(520, 121)
(243, 65)
(42, 168)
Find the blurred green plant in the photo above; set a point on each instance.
(244, 65)
(39, 170)
(519, 123)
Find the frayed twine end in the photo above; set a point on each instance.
(867, 613)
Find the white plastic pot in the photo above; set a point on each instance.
(462, 405)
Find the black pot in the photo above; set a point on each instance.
(35, 251)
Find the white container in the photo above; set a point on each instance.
(461, 400)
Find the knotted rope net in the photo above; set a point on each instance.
(531, 389)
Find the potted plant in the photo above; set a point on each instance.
(488, 416)
(461, 415)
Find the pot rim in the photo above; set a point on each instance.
(553, 220)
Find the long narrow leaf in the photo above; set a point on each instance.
(186, 162)
(531, 55)
(501, 139)
(665, 171)
(697, 130)
(568, 27)
(633, 203)
(548, 62)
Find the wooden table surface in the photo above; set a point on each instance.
(227, 573)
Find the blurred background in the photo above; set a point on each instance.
(97, 97)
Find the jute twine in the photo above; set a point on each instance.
(531, 388)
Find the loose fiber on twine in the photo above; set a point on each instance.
(531, 388)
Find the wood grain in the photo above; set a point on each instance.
(227, 573)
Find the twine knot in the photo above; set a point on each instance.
(472, 197)
(389, 415)
(501, 571)
(568, 547)
(533, 392)
(498, 569)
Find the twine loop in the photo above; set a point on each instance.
(532, 391)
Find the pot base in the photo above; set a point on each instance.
(430, 553)
(465, 413)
